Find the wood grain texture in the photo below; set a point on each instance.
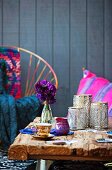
(20, 151)
(83, 146)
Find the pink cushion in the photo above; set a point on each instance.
(99, 87)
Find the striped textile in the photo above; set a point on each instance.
(99, 87)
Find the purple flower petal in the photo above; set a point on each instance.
(45, 91)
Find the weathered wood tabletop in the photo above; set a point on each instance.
(81, 145)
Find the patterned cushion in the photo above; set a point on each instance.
(99, 87)
(2, 76)
(12, 58)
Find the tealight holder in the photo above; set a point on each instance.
(83, 101)
(99, 115)
(76, 118)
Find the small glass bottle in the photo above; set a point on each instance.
(46, 116)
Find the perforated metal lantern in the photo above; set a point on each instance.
(99, 115)
(76, 118)
(84, 101)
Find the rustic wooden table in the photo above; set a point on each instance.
(81, 145)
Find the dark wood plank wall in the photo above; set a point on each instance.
(27, 32)
(69, 34)
(10, 22)
(78, 43)
(61, 51)
(108, 39)
(95, 36)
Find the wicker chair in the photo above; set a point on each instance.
(37, 69)
(33, 69)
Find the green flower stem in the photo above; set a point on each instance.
(46, 116)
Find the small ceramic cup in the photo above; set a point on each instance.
(43, 129)
(62, 126)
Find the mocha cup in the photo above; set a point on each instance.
(43, 129)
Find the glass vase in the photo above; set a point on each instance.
(46, 116)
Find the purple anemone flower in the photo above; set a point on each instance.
(45, 91)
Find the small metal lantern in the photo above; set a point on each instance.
(99, 115)
(84, 101)
(76, 118)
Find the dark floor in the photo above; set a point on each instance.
(6, 164)
(78, 165)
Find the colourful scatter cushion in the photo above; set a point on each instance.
(12, 58)
(99, 87)
(2, 76)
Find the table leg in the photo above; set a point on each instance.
(43, 164)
